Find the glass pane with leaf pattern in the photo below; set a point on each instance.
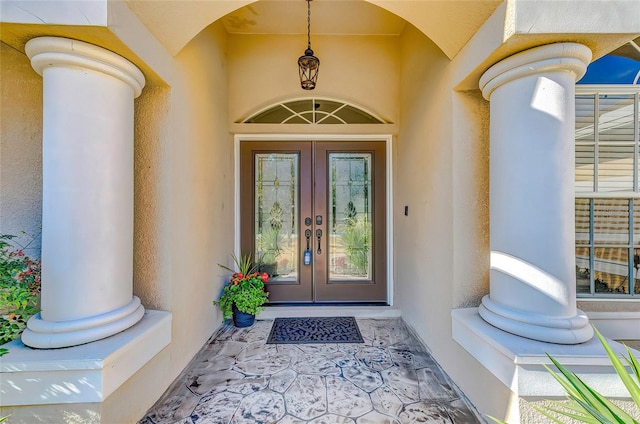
(350, 205)
(276, 211)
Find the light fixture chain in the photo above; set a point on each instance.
(309, 24)
(308, 64)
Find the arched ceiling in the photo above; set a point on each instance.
(448, 23)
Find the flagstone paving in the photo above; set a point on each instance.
(238, 378)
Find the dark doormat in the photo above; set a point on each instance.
(315, 330)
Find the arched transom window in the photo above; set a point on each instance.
(313, 111)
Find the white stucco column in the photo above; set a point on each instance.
(87, 216)
(532, 231)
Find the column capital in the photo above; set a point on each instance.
(45, 52)
(567, 57)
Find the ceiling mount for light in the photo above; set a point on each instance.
(308, 64)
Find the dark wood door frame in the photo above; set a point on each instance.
(381, 205)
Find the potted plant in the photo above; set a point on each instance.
(244, 295)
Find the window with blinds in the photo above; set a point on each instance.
(607, 205)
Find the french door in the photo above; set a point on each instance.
(313, 217)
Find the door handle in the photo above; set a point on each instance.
(307, 252)
(307, 234)
(319, 236)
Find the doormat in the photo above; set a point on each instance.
(315, 330)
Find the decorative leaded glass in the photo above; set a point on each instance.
(275, 215)
(350, 216)
(313, 111)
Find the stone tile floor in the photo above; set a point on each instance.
(238, 378)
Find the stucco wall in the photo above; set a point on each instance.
(442, 246)
(151, 280)
(184, 213)
(423, 239)
(20, 149)
(360, 69)
(201, 197)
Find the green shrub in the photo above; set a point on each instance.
(19, 289)
(245, 288)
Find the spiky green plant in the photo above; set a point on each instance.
(585, 404)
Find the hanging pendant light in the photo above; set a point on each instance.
(308, 64)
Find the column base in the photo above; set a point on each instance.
(86, 374)
(41, 334)
(518, 363)
(570, 330)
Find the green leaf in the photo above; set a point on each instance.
(581, 417)
(633, 364)
(586, 404)
(626, 379)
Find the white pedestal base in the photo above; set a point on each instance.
(517, 361)
(81, 374)
(565, 330)
(43, 334)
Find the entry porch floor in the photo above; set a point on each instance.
(238, 378)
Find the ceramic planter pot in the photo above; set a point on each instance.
(242, 319)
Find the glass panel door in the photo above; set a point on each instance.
(313, 214)
(275, 191)
(350, 187)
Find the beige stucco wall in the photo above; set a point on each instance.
(442, 246)
(151, 278)
(359, 69)
(20, 149)
(202, 207)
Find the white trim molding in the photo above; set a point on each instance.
(616, 325)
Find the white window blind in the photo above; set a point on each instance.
(607, 205)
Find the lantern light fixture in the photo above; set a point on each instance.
(308, 64)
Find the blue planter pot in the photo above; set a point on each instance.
(242, 319)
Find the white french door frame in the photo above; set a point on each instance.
(387, 138)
